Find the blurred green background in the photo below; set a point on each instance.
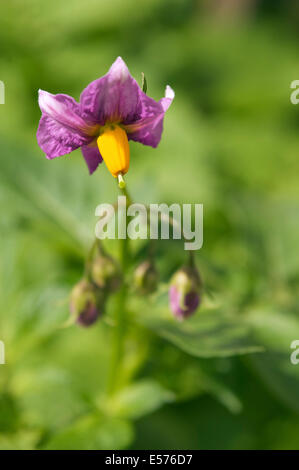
(230, 142)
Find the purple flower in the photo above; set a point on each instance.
(112, 110)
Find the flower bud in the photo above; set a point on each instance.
(184, 292)
(105, 273)
(146, 277)
(86, 303)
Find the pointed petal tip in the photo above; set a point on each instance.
(169, 92)
(168, 98)
(119, 60)
(119, 69)
(43, 93)
(45, 100)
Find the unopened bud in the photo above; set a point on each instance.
(86, 303)
(105, 273)
(184, 292)
(146, 277)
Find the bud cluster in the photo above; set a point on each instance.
(89, 296)
(103, 277)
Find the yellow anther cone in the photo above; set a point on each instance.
(114, 147)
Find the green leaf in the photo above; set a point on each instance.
(209, 333)
(52, 401)
(223, 394)
(139, 399)
(93, 432)
(31, 189)
(277, 331)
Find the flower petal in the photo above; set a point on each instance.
(114, 97)
(56, 140)
(167, 100)
(92, 157)
(63, 109)
(61, 129)
(148, 129)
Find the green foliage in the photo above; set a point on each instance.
(139, 399)
(93, 432)
(222, 379)
(210, 333)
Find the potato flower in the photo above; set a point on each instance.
(112, 110)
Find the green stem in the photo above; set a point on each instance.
(95, 246)
(124, 192)
(191, 259)
(118, 339)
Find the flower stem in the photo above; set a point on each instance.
(118, 338)
(96, 246)
(121, 181)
